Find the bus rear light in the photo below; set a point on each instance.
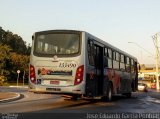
(32, 74)
(79, 75)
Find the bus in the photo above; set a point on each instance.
(78, 64)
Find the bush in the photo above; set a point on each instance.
(3, 79)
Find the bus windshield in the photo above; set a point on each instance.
(56, 44)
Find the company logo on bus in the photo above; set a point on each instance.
(55, 57)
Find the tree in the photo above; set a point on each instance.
(28, 49)
(14, 41)
(19, 62)
(2, 32)
(14, 54)
(4, 58)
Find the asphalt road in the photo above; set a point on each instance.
(51, 105)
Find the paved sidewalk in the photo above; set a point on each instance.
(8, 96)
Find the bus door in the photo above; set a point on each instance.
(136, 77)
(99, 69)
(94, 78)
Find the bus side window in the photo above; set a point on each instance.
(122, 62)
(109, 58)
(105, 57)
(128, 68)
(116, 60)
(132, 66)
(90, 48)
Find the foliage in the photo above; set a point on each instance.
(3, 79)
(14, 55)
(15, 42)
(4, 58)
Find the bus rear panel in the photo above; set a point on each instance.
(57, 63)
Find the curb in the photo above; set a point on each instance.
(18, 96)
(18, 86)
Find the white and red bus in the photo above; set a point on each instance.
(77, 63)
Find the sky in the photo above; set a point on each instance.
(114, 21)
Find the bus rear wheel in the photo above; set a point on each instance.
(109, 95)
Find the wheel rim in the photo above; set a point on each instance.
(110, 94)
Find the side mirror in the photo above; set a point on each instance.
(139, 67)
(32, 37)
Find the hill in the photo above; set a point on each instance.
(14, 55)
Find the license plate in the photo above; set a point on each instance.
(54, 82)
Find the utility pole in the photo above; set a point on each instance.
(157, 60)
(18, 71)
(23, 77)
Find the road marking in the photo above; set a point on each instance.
(13, 98)
(18, 86)
(150, 99)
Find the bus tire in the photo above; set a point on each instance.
(109, 95)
